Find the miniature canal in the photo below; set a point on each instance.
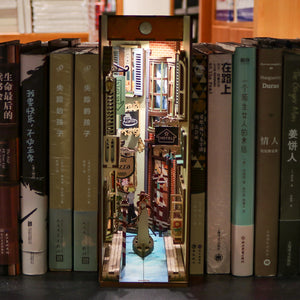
(152, 268)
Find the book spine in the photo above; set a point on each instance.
(198, 163)
(289, 225)
(34, 231)
(267, 167)
(9, 229)
(218, 221)
(243, 160)
(224, 10)
(9, 156)
(34, 162)
(244, 10)
(86, 142)
(61, 161)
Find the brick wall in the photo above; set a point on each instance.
(164, 49)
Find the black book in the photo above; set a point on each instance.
(289, 223)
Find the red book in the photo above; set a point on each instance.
(9, 156)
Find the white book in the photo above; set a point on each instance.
(27, 16)
(7, 22)
(21, 19)
(8, 4)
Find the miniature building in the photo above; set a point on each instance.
(145, 123)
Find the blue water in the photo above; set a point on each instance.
(153, 268)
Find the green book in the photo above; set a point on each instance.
(86, 143)
(243, 157)
(268, 141)
(61, 158)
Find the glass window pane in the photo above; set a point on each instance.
(161, 87)
(165, 87)
(164, 102)
(165, 71)
(157, 72)
(157, 101)
(157, 86)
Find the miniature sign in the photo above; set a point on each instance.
(166, 136)
(126, 167)
(130, 120)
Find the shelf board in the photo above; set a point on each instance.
(233, 24)
(29, 37)
(193, 10)
(180, 11)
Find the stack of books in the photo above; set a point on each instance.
(67, 16)
(9, 16)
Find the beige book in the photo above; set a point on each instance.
(86, 142)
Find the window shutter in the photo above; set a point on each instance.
(138, 71)
(110, 105)
(116, 55)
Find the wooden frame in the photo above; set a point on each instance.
(128, 28)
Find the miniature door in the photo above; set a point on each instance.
(144, 110)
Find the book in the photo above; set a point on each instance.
(34, 68)
(289, 222)
(218, 199)
(198, 161)
(61, 155)
(224, 10)
(69, 16)
(9, 19)
(268, 144)
(61, 85)
(243, 157)
(244, 10)
(9, 158)
(9, 228)
(21, 16)
(86, 143)
(27, 16)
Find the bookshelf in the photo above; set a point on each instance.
(281, 20)
(30, 37)
(222, 31)
(187, 8)
(209, 29)
(86, 284)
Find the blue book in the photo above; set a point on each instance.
(243, 157)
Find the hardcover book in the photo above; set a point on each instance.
(86, 143)
(289, 223)
(243, 157)
(9, 158)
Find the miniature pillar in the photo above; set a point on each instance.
(160, 183)
(155, 209)
(124, 223)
